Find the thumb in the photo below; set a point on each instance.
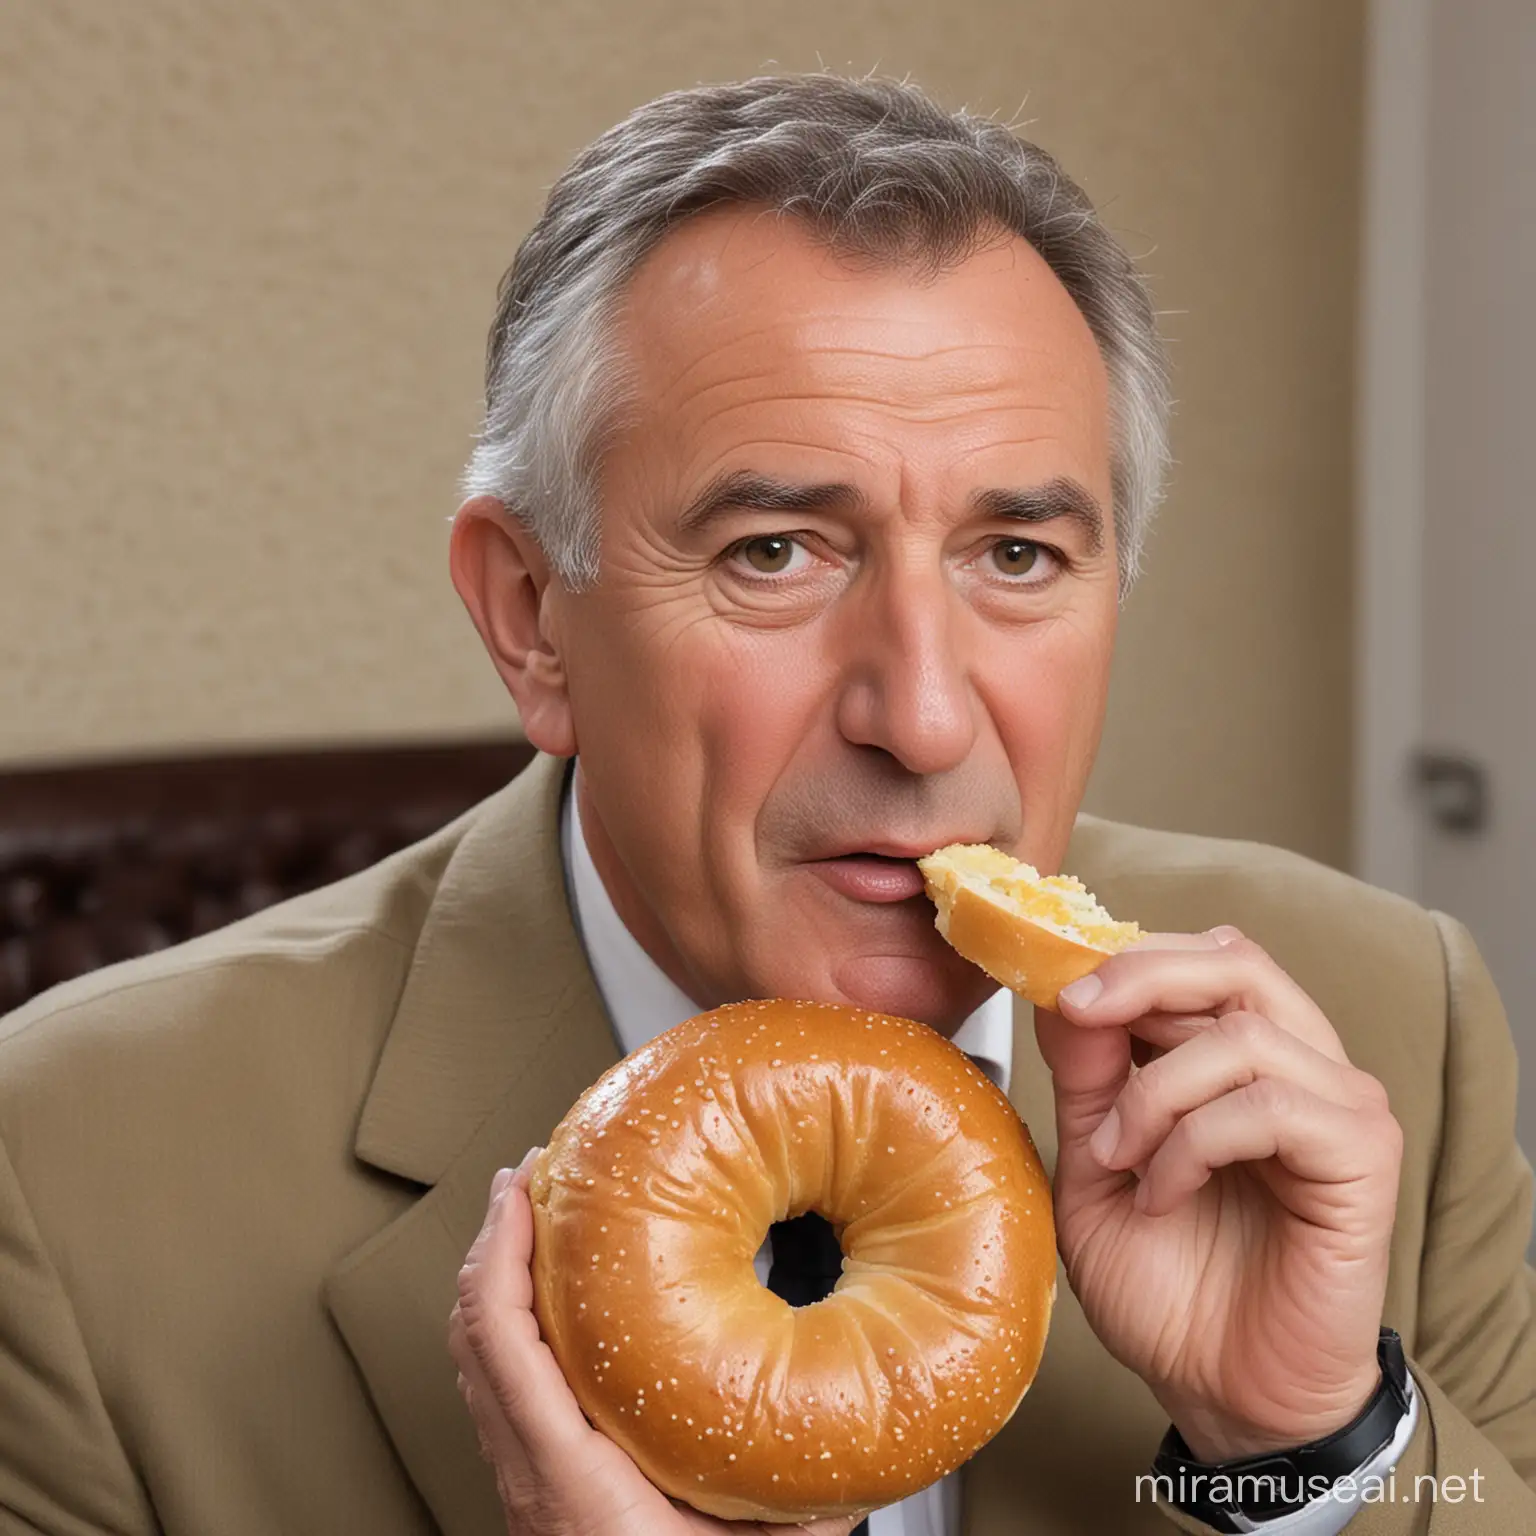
(1088, 1069)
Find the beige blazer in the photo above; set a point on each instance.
(238, 1178)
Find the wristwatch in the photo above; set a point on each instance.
(1276, 1483)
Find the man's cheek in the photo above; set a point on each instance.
(743, 738)
(1050, 735)
(758, 696)
(627, 695)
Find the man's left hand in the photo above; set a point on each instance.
(555, 1473)
(1224, 1209)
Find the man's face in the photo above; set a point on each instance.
(857, 600)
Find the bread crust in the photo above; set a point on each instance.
(657, 1189)
(1034, 961)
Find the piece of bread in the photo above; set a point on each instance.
(1035, 934)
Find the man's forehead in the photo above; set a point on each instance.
(757, 351)
(746, 290)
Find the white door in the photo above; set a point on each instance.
(1479, 550)
(1448, 547)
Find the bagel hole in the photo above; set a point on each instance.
(805, 1259)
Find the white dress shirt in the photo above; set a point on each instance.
(642, 1002)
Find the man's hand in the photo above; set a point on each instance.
(1224, 1209)
(556, 1474)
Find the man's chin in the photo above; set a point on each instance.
(911, 987)
(884, 956)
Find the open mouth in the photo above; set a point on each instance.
(872, 877)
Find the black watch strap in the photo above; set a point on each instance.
(1280, 1482)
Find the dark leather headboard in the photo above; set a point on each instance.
(103, 862)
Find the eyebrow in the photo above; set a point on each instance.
(745, 490)
(1062, 497)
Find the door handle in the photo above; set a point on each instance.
(1453, 789)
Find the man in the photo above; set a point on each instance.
(822, 431)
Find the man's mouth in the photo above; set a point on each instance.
(872, 877)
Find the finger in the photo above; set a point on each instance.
(1156, 1032)
(522, 1402)
(524, 1170)
(1166, 1030)
(502, 1252)
(509, 1241)
(1088, 1068)
(499, 1443)
(1322, 1143)
(1217, 979)
(1230, 1053)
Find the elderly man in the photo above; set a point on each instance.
(822, 432)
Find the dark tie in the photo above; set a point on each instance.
(806, 1263)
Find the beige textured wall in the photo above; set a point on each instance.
(247, 258)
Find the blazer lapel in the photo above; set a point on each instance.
(499, 1029)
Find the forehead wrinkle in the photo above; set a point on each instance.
(1003, 355)
(714, 463)
(912, 400)
(711, 354)
(947, 410)
(928, 355)
(800, 345)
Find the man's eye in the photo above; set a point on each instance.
(771, 554)
(1020, 557)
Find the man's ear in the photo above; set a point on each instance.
(505, 582)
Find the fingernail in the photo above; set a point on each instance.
(1226, 934)
(500, 1182)
(1106, 1138)
(1082, 993)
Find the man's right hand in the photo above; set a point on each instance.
(557, 1475)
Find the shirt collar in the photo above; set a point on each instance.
(642, 1000)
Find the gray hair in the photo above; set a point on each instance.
(877, 170)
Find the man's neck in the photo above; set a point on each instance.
(638, 919)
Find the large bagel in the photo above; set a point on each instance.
(657, 1189)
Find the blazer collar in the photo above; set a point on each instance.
(499, 1000)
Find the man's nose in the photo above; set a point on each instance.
(905, 685)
